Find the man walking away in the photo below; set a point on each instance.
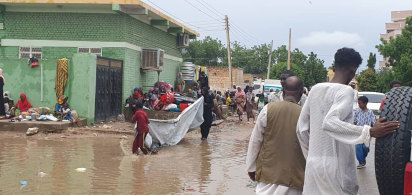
(207, 113)
(363, 116)
(327, 134)
(275, 159)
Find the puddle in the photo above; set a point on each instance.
(191, 167)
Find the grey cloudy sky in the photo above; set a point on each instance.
(321, 26)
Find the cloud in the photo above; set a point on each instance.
(337, 38)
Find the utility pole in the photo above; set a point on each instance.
(270, 58)
(229, 56)
(290, 36)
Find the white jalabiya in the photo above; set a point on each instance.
(255, 144)
(327, 136)
(355, 100)
(278, 97)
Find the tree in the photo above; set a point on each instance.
(384, 77)
(399, 53)
(314, 69)
(277, 70)
(372, 61)
(367, 80)
(206, 52)
(211, 52)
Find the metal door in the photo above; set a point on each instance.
(109, 77)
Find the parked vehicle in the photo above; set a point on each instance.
(375, 100)
(393, 163)
(258, 86)
(271, 84)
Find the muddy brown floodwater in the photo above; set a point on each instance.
(216, 166)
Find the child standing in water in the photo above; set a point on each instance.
(142, 123)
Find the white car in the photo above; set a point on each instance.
(375, 100)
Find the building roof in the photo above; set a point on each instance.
(134, 8)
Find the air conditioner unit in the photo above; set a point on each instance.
(152, 59)
(183, 40)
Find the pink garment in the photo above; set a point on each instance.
(239, 94)
(240, 99)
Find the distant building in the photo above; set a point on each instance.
(249, 78)
(219, 78)
(394, 28)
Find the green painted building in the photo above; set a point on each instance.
(90, 36)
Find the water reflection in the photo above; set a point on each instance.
(193, 166)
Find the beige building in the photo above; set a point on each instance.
(219, 78)
(394, 28)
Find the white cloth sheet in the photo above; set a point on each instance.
(171, 132)
(273, 189)
(327, 136)
(255, 144)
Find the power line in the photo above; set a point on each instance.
(207, 7)
(217, 11)
(245, 33)
(202, 11)
(239, 34)
(199, 28)
(238, 37)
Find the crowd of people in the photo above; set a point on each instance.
(308, 145)
(23, 110)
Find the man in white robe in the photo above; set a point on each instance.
(275, 159)
(327, 134)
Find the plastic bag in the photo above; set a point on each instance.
(171, 106)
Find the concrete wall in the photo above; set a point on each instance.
(87, 27)
(55, 29)
(82, 86)
(20, 78)
(23, 79)
(219, 78)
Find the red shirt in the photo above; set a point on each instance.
(142, 121)
(382, 103)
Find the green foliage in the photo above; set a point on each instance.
(399, 52)
(206, 52)
(309, 68)
(277, 70)
(372, 61)
(211, 52)
(367, 80)
(314, 70)
(384, 77)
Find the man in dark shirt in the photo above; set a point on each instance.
(207, 113)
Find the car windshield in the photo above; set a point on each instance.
(275, 89)
(256, 87)
(374, 98)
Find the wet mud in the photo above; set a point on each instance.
(48, 164)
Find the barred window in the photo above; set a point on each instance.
(28, 52)
(97, 51)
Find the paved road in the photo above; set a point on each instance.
(366, 176)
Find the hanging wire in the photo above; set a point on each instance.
(217, 19)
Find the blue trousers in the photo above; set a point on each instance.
(361, 152)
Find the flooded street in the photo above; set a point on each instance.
(216, 166)
(213, 167)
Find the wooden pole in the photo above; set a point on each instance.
(229, 56)
(270, 59)
(290, 36)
